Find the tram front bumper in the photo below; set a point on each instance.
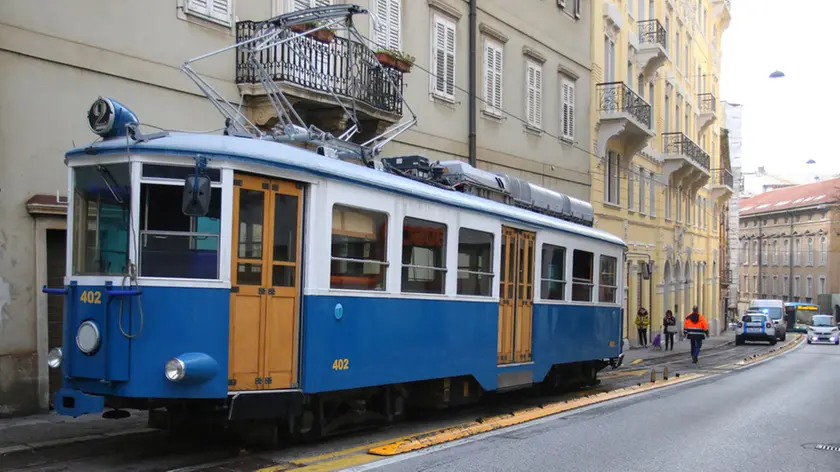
(75, 403)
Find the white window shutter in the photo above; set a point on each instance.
(380, 37)
(199, 6)
(220, 10)
(534, 94)
(321, 3)
(439, 57)
(387, 14)
(301, 4)
(529, 101)
(538, 96)
(499, 62)
(568, 118)
(394, 24)
(450, 59)
(489, 75)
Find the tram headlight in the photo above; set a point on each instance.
(54, 357)
(175, 370)
(88, 338)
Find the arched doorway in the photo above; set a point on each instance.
(667, 286)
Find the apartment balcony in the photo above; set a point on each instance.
(725, 278)
(686, 163)
(309, 70)
(707, 105)
(722, 9)
(722, 184)
(622, 115)
(653, 43)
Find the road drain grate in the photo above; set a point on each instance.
(827, 447)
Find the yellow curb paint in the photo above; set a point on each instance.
(341, 463)
(637, 361)
(628, 373)
(489, 424)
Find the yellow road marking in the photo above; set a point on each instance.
(344, 462)
(628, 373)
(637, 361)
(444, 435)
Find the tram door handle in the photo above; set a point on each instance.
(261, 291)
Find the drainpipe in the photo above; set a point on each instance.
(473, 86)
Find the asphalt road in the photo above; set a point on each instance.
(768, 417)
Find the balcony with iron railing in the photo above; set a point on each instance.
(653, 45)
(686, 163)
(725, 278)
(722, 184)
(623, 115)
(309, 70)
(707, 105)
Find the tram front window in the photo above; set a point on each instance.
(101, 207)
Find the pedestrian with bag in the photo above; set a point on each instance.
(670, 324)
(696, 329)
(642, 325)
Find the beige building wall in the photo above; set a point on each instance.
(56, 58)
(767, 273)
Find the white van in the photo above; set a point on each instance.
(776, 310)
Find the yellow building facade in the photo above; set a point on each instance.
(659, 180)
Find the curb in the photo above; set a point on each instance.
(771, 353)
(677, 354)
(63, 442)
(485, 425)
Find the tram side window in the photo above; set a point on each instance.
(173, 245)
(553, 273)
(101, 223)
(475, 262)
(582, 276)
(607, 284)
(423, 256)
(359, 249)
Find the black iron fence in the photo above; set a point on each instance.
(618, 97)
(725, 178)
(679, 143)
(708, 103)
(342, 66)
(652, 32)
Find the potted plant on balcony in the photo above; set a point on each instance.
(324, 35)
(397, 60)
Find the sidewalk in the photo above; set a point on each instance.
(51, 429)
(680, 348)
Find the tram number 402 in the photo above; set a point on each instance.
(91, 296)
(341, 364)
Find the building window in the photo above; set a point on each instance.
(775, 285)
(796, 285)
(809, 287)
(582, 272)
(630, 73)
(786, 253)
(755, 252)
(797, 252)
(359, 256)
(821, 287)
(493, 71)
(631, 188)
(443, 58)
(765, 254)
(609, 60)
(652, 190)
(823, 251)
(388, 17)
(678, 51)
(608, 282)
(678, 198)
(669, 196)
(775, 258)
(174, 245)
(216, 10)
(763, 289)
(553, 273)
(568, 107)
(642, 190)
(786, 288)
(667, 112)
(306, 4)
(475, 262)
(533, 93)
(745, 252)
(810, 251)
(611, 178)
(423, 256)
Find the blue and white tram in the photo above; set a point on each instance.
(279, 284)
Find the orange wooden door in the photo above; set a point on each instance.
(516, 296)
(282, 302)
(263, 348)
(507, 288)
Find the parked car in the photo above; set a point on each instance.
(755, 326)
(823, 329)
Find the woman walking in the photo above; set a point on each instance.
(670, 324)
(642, 324)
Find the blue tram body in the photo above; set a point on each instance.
(164, 341)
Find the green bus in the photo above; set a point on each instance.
(799, 315)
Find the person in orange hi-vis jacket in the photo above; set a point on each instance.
(696, 329)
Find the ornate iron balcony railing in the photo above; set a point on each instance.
(726, 277)
(727, 179)
(708, 102)
(679, 143)
(343, 66)
(618, 97)
(652, 32)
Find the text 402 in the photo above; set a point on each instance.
(91, 296)
(341, 364)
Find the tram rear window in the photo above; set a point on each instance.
(423, 256)
(582, 276)
(553, 273)
(101, 208)
(359, 249)
(475, 262)
(173, 245)
(608, 283)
